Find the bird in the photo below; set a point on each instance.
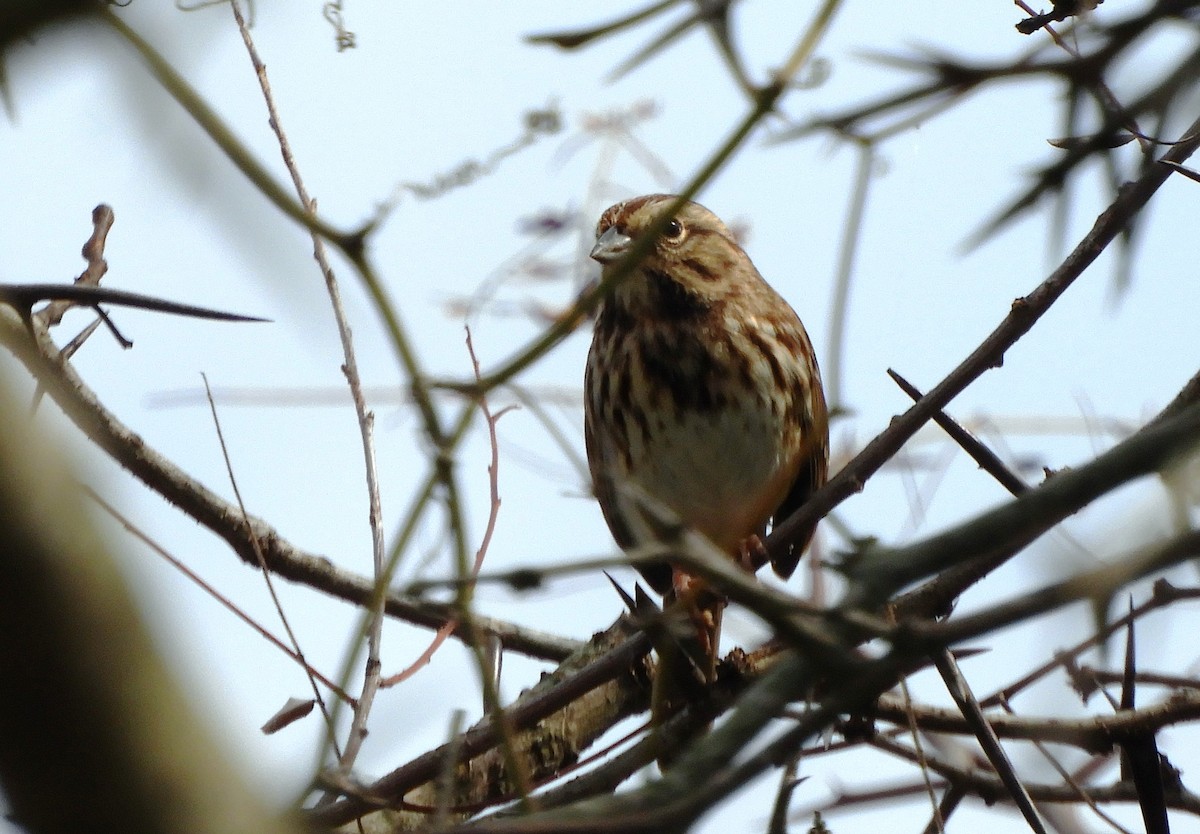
(702, 394)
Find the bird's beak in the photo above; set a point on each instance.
(611, 245)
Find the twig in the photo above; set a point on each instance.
(544, 700)
(764, 101)
(950, 801)
(783, 796)
(1068, 778)
(518, 772)
(22, 297)
(223, 137)
(366, 419)
(1088, 585)
(976, 547)
(1063, 9)
(81, 405)
(988, 787)
(493, 464)
(1161, 597)
(446, 779)
(960, 691)
(1024, 314)
(199, 582)
(1093, 734)
(266, 573)
(939, 823)
(839, 309)
(93, 253)
(987, 459)
(493, 513)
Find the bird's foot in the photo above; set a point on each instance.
(752, 553)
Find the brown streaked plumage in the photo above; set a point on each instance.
(702, 389)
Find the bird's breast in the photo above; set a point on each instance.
(700, 418)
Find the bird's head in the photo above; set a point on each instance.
(695, 261)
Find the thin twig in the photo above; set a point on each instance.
(493, 514)
(960, 691)
(1024, 315)
(987, 459)
(223, 137)
(919, 747)
(950, 801)
(22, 297)
(84, 408)
(839, 308)
(103, 218)
(783, 796)
(1084, 793)
(518, 773)
(1002, 696)
(266, 573)
(133, 529)
(763, 103)
(366, 419)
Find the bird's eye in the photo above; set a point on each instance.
(673, 230)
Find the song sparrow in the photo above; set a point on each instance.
(702, 391)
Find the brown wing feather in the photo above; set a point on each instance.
(810, 477)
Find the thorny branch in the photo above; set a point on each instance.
(990, 353)
(108, 432)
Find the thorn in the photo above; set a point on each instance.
(625, 598)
